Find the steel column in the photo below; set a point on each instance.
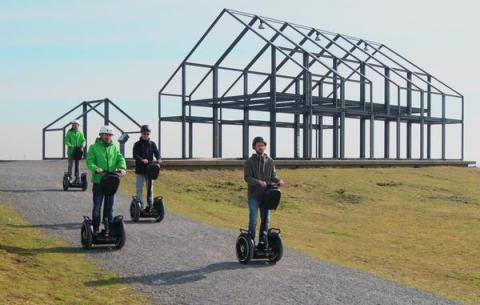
(409, 112)
(245, 128)
(422, 125)
(443, 126)
(342, 120)
(160, 124)
(307, 115)
(320, 137)
(273, 104)
(106, 113)
(215, 128)
(85, 124)
(296, 128)
(190, 130)
(184, 121)
(363, 108)
(386, 144)
(429, 114)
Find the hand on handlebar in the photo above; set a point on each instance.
(121, 172)
(99, 170)
(263, 184)
(145, 161)
(281, 183)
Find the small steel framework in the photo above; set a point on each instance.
(86, 107)
(335, 78)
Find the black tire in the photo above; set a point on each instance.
(84, 183)
(120, 234)
(160, 209)
(135, 210)
(244, 248)
(86, 236)
(275, 242)
(66, 183)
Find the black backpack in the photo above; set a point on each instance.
(109, 183)
(153, 170)
(77, 153)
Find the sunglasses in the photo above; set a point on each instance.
(145, 133)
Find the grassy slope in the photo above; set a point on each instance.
(420, 227)
(36, 269)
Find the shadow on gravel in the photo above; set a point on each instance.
(54, 226)
(35, 251)
(178, 277)
(36, 190)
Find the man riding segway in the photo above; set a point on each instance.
(259, 172)
(75, 142)
(103, 157)
(147, 169)
(144, 152)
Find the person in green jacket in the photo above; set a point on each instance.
(103, 156)
(74, 139)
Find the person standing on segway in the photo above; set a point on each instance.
(103, 156)
(75, 141)
(259, 171)
(144, 150)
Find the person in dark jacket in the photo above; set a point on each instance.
(259, 170)
(144, 150)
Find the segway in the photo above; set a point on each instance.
(157, 211)
(111, 234)
(82, 182)
(272, 249)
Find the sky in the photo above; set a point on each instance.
(55, 54)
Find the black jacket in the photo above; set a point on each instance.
(144, 150)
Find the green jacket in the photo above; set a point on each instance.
(104, 156)
(74, 138)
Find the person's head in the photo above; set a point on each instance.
(75, 124)
(145, 131)
(106, 134)
(259, 145)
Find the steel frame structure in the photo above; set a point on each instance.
(87, 107)
(310, 96)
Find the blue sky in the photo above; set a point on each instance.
(54, 54)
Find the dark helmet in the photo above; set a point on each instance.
(145, 128)
(258, 140)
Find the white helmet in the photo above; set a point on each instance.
(106, 129)
(75, 122)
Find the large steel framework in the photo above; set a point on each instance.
(335, 79)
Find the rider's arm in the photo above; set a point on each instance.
(121, 163)
(249, 175)
(274, 176)
(67, 139)
(82, 140)
(156, 153)
(136, 154)
(91, 163)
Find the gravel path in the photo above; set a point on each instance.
(179, 261)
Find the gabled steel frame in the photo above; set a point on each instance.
(86, 107)
(314, 96)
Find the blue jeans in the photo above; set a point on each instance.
(253, 206)
(97, 206)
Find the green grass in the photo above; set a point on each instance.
(419, 227)
(36, 269)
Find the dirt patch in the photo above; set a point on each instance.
(343, 196)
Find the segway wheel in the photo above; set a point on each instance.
(244, 248)
(86, 235)
(160, 209)
(135, 210)
(66, 183)
(84, 183)
(275, 241)
(120, 233)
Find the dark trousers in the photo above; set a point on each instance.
(70, 165)
(98, 199)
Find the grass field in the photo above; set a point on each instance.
(419, 227)
(36, 269)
